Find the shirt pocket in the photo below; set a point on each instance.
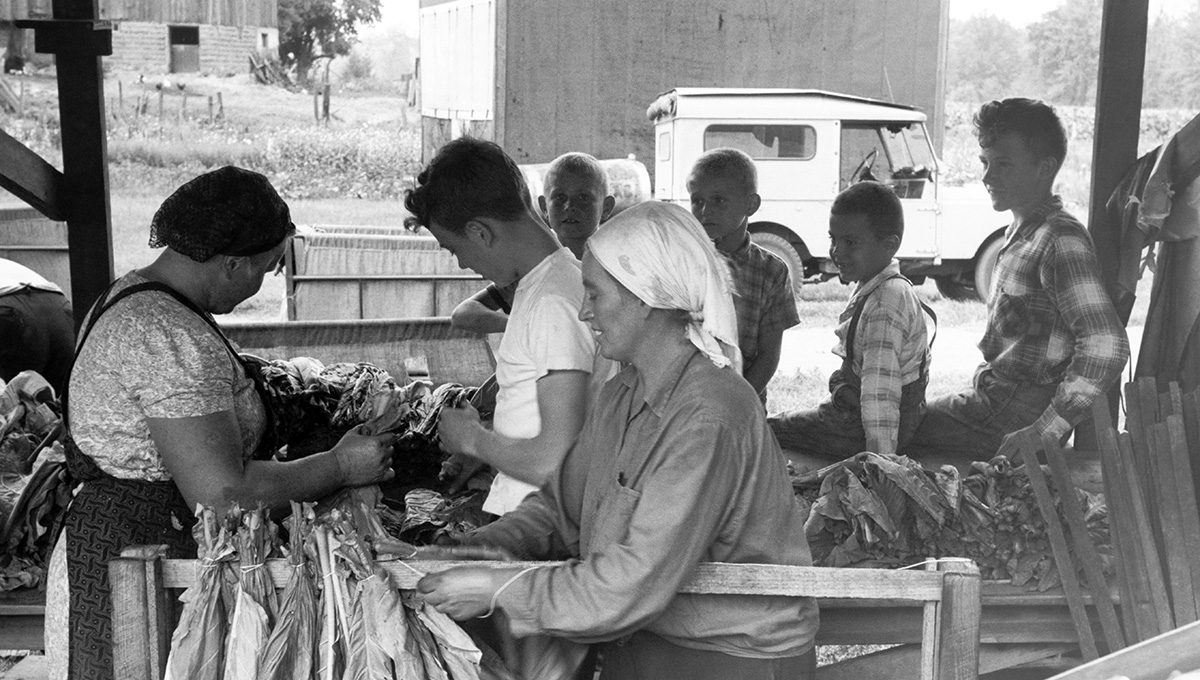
(615, 515)
(1020, 315)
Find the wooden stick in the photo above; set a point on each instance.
(1191, 426)
(1152, 570)
(1176, 445)
(1119, 524)
(1058, 543)
(1179, 573)
(327, 575)
(1084, 547)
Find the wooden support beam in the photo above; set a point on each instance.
(30, 178)
(85, 164)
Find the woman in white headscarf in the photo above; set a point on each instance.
(675, 465)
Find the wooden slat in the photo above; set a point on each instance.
(959, 623)
(1170, 403)
(1084, 547)
(1178, 649)
(1152, 572)
(1179, 573)
(1058, 544)
(1120, 524)
(30, 178)
(1181, 464)
(1191, 426)
(885, 585)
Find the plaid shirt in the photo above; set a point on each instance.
(890, 345)
(1049, 320)
(763, 296)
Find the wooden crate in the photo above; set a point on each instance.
(372, 273)
(948, 599)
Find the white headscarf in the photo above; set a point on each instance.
(662, 255)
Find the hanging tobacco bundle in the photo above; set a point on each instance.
(198, 643)
(255, 607)
(290, 652)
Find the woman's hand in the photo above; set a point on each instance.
(463, 592)
(363, 459)
(459, 429)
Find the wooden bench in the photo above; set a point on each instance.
(947, 600)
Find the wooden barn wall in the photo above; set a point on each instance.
(264, 13)
(579, 74)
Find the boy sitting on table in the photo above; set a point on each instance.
(723, 187)
(877, 397)
(575, 201)
(471, 198)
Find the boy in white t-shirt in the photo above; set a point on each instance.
(470, 198)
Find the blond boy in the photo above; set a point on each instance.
(723, 187)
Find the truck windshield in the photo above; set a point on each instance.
(897, 154)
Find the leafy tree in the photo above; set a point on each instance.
(1184, 78)
(986, 59)
(309, 29)
(1065, 48)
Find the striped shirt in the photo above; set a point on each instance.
(890, 344)
(1049, 320)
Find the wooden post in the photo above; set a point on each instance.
(325, 103)
(85, 164)
(22, 100)
(1118, 122)
(220, 106)
(961, 612)
(183, 107)
(160, 108)
(120, 96)
(142, 613)
(210, 109)
(316, 105)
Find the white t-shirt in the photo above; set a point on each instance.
(544, 334)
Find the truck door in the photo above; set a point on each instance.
(897, 154)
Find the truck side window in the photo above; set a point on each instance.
(797, 142)
(858, 141)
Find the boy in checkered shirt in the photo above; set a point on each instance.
(877, 397)
(1053, 342)
(723, 186)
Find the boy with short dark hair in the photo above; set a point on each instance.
(877, 397)
(471, 197)
(723, 186)
(575, 200)
(1053, 342)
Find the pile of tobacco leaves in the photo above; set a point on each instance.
(889, 511)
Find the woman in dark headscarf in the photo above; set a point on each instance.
(161, 411)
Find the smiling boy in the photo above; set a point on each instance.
(877, 397)
(471, 197)
(723, 188)
(1053, 343)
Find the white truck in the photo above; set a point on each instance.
(808, 145)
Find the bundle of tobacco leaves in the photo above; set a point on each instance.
(888, 511)
(256, 605)
(29, 420)
(26, 535)
(198, 643)
(290, 651)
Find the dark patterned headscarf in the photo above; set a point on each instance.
(229, 211)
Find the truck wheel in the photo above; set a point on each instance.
(952, 287)
(985, 268)
(780, 247)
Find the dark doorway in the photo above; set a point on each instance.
(185, 48)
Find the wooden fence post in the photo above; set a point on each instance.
(210, 109)
(142, 613)
(961, 611)
(220, 106)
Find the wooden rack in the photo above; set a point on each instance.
(144, 608)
